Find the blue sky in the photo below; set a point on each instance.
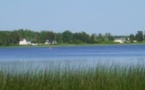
(119, 17)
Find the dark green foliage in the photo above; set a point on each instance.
(59, 37)
(139, 36)
(46, 35)
(76, 38)
(100, 38)
(131, 37)
(67, 37)
(109, 37)
(84, 37)
(8, 38)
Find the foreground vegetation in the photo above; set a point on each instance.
(100, 78)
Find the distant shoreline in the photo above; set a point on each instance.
(68, 45)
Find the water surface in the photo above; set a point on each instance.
(79, 56)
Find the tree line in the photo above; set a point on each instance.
(67, 37)
(139, 37)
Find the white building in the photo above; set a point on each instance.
(47, 42)
(119, 40)
(34, 44)
(53, 42)
(24, 42)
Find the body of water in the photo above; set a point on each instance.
(79, 56)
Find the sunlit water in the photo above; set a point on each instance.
(27, 58)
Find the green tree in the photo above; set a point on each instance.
(67, 36)
(100, 38)
(76, 38)
(139, 36)
(50, 36)
(93, 38)
(108, 37)
(2, 38)
(59, 37)
(131, 38)
(84, 37)
(14, 38)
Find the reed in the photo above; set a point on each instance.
(99, 78)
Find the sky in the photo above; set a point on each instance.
(118, 17)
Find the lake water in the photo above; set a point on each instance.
(79, 56)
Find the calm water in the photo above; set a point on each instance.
(80, 56)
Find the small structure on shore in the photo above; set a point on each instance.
(119, 40)
(24, 42)
(47, 42)
(50, 42)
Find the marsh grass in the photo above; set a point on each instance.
(99, 78)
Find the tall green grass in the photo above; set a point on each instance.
(100, 78)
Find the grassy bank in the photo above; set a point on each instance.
(100, 78)
(63, 44)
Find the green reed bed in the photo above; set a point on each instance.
(100, 78)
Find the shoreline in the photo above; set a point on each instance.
(69, 45)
